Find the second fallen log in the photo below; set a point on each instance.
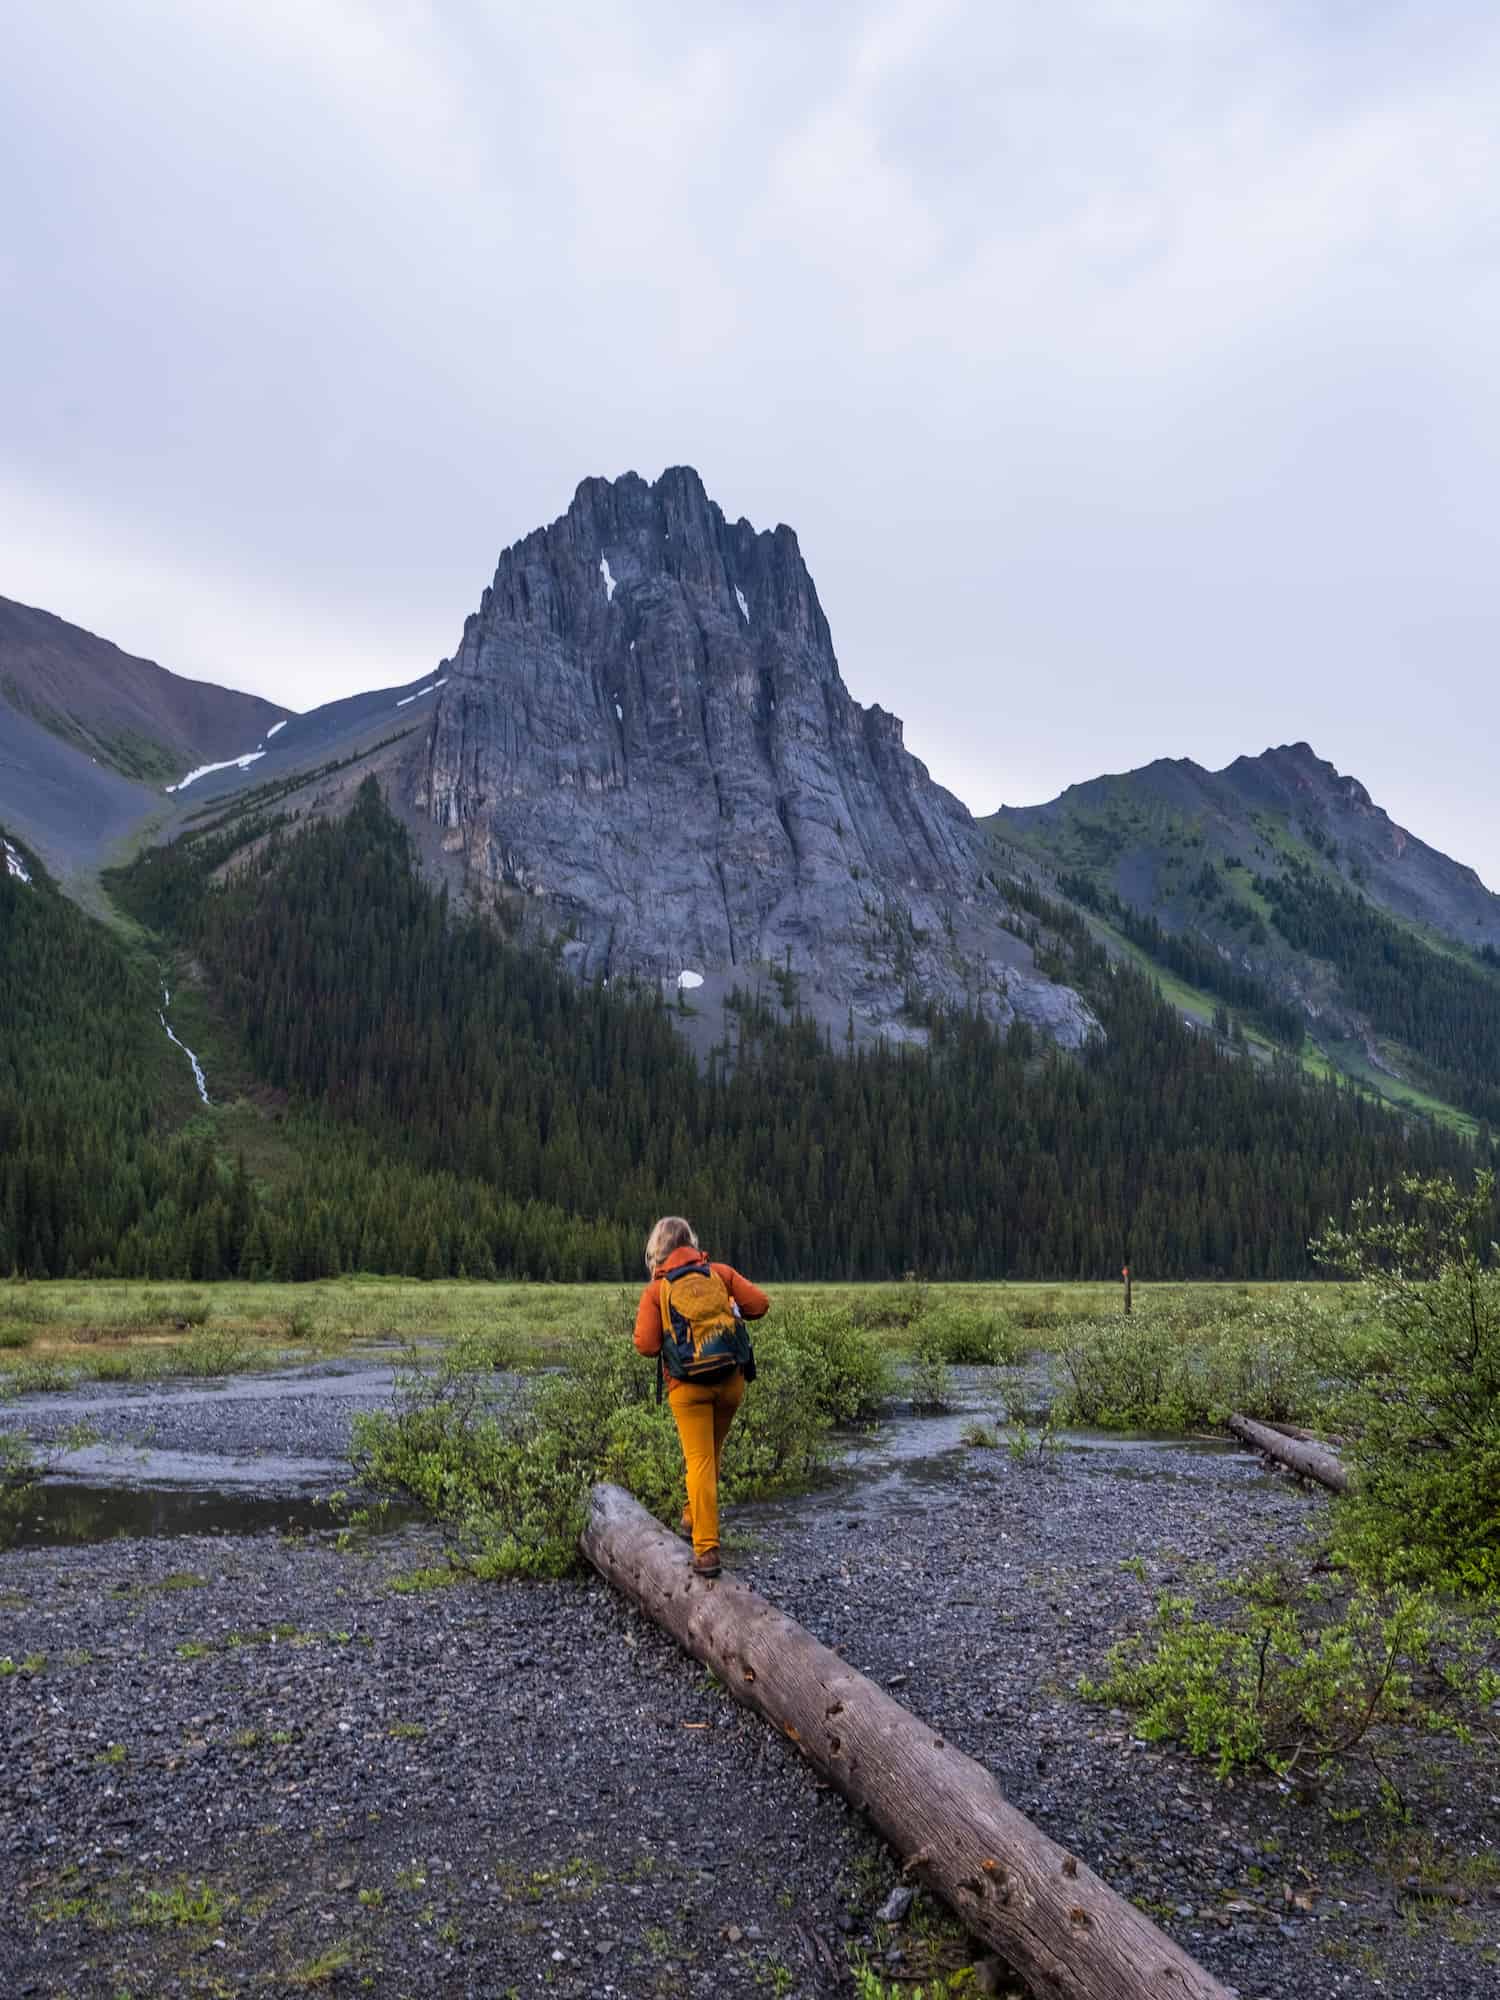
(1061, 1928)
(1310, 1459)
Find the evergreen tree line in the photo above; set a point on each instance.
(1446, 1009)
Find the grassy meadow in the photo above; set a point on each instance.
(59, 1330)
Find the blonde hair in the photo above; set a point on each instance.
(666, 1236)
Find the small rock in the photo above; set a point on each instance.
(893, 1910)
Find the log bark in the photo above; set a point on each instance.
(1310, 1459)
(1061, 1928)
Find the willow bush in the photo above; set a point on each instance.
(504, 1464)
(1180, 1365)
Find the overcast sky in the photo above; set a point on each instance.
(1128, 368)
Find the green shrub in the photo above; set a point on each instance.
(35, 1377)
(927, 1372)
(1417, 1395)
(204, 1353)
(21, 1306)
(973, 1336)
(1185, 1365)
(1041, 1447)
(17, 1462)
(847, 1376)
(507, 1472)
(1285, 1679)
(15, 1334)
(179, 1309)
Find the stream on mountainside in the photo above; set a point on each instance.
(198, 1076)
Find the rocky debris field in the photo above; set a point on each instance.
(264, 1765)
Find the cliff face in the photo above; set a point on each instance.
(646, 732)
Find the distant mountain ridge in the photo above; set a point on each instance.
(1332, 812)
(128, 713)
(1283, 873)
(90, 735)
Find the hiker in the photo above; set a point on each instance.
(691, 1317)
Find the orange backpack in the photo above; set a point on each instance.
(703, 1338)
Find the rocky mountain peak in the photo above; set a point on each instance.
(634, 534)
(645, 732)
(1300, 766)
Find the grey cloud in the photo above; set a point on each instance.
(1125, 365)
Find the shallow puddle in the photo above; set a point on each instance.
(61, 1513)
(915, 1463)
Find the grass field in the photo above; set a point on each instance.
(129, 1329)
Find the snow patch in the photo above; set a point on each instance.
(407, 698)
(610, 585)
(161, 1015)
(739, 596)
(206, 770)
(688, 980)
(619, 712)
(14, 865)
(277, 725)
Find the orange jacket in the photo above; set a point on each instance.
(750, 1299)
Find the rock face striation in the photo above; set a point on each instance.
(644, 732)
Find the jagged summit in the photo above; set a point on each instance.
(1295, 771)
(666, 530)
(645, 731)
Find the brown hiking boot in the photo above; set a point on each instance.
(707, 1564)
(685, 1527)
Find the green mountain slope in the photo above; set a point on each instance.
(1279, 899)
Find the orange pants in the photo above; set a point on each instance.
(704, 1412)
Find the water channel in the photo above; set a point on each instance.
(231, 1483)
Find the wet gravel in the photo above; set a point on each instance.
(252, 1765)
(302, 1413)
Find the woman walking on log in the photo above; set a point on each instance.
(691, 1317)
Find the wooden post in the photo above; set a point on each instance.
(1310, 1459)
(1125, 1274)
(1062, 1929)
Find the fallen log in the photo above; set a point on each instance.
(1062, 1929)
(1310, 1459)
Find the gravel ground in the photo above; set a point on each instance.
(253, 1766)
(303, 1413)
